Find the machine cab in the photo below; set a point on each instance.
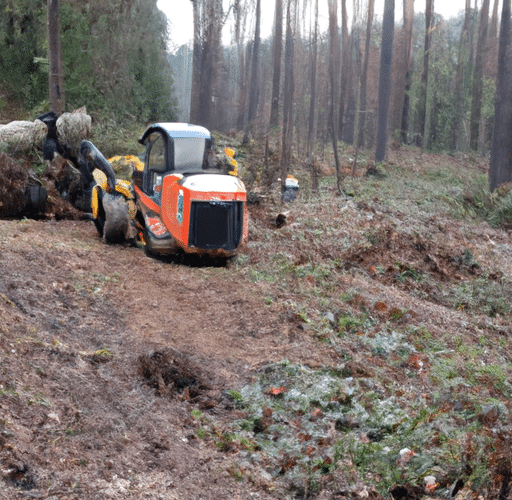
(172, 148)
(183, 201)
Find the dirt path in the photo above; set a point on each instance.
(77, 418)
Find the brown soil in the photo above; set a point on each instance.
(81, 422)
(106, 353)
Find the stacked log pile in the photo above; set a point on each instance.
(21, 192)
(20, 136)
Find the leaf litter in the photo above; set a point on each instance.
(360, 350)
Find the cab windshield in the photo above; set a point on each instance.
(188, 153)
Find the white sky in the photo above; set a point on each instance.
(179, 13)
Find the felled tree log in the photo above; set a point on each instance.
(73, 128)
(18, 137)
(21, 136)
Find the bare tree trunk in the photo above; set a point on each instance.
(313, 108)
(493, 42)
(56, 79)
(333, 78)
(386, 60)
(196, 62)
(239, 12)
(277, 52)
(409, 14)
(313, 98)
(206, 59)
(242, 92)
(493, 30)
(459, 79)
(478, 77)
(472, 29)
(403, 68)
(501, 153)
(345, 66)
(353, 73)
(253, 93)
(288, 95)
(422, 112)
(405, 112)
(213, 63)
(205, 94)
(364, 76)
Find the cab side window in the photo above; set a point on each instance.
(155, 164)
(156, 153)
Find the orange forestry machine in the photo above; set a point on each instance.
(184, 200)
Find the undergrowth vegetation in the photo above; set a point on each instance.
(408, 281)
(405, 282)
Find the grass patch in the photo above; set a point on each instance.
(480, 296)
(289, 427)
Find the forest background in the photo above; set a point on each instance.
(304, 86)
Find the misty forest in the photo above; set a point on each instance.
(372, 80)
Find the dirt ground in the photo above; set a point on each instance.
(91, 405)
(106, 354)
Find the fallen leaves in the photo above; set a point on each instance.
(276, 391)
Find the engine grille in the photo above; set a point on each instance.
(216, 224)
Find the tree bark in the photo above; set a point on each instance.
(277, 53)
(253, 92)
(206, 60)
(211, 59)
(422, 111)
(403, 68)
(493, 30)
(386, 59)
(240, 17)
(333, 79)
(345, 67)
(56, 79)
(364, 75)
(409, 27)
(459, 79)
(478, 76)
(313, 107)
(501, 153)
(405, 112)
(353, 73)
(196, 62)
(288, 95)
